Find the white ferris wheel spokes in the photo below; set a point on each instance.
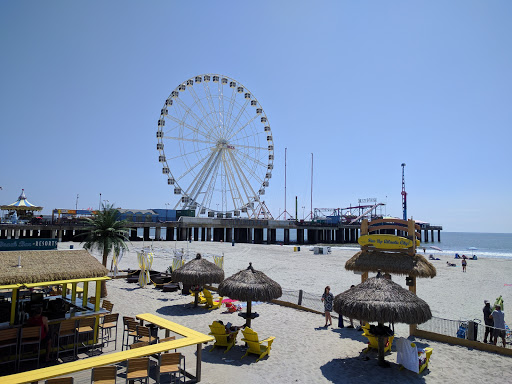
(219, 146)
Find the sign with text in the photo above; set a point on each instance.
(367, 200)
(386, 241)
(27, 244)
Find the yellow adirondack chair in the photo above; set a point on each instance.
(210, 303)
(222, 338)
(373, 341)
(200, 300)
(428, 353)
(255, 345)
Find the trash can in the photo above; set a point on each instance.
(472, 330)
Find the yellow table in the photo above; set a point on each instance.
(190, 337)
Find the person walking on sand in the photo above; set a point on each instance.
(499, 325)
(489, 323)
(327, 299)
(464, 263)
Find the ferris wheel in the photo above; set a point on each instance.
(215, 146)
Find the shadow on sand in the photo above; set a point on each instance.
(359, 370)
(233, 357)
(181, 310)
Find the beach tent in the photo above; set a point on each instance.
(250, 285)
(198, 272)
(383, 301)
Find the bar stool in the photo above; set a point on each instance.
(67, 331)
(107, 305)
(137, 369)
(170, 364)
(8, 342)
(144, 334)
(170, 338)
(85, 330)
(30, 338)
(130, 328)
(104, 375)
(106, 327)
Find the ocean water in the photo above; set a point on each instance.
(488, 244)
(498, 245)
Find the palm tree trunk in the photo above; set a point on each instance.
(103, 282)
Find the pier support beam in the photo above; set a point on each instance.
(158, 233)
(258, 235)
(169, 233)
(300, 236)
(286, 239)
(196, 234)
(146, 234)
(271, 236)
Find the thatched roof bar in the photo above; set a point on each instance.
(70, 281)
(48, 266)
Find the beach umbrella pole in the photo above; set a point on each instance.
(248, 319)
(381, 341)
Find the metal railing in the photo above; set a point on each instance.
(463, 329)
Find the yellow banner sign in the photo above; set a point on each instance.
(386, 241)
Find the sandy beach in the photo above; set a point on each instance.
(303, 350)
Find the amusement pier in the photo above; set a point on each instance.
(255, 231)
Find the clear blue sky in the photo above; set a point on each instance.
(364, 85)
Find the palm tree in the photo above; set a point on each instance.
(106, 233)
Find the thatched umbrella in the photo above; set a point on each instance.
(392, 262)
(250, 285)
(198, 272)
(382, 300)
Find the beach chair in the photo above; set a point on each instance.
(210, 302)
(410, 357)
(201, 300)
(255, 345)
(223, 338)
(373, 341)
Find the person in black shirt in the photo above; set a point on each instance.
(488, 322)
